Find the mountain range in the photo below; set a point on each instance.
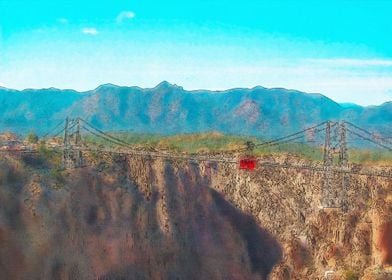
(169, 109)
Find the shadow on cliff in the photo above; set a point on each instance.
(207, 237)
(202, 211)
(264, 251)
(103, 225)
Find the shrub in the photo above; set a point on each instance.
(350, 275)
(49, 155)
(32, 138)
(58, 175)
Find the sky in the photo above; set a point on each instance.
(339, 48)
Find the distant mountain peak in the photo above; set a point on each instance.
(108, 85)
(258, 87)
(41, 90)
(257, 111)
(166, 85)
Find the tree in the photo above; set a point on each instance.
(32, 138)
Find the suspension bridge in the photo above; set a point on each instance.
(330, 136)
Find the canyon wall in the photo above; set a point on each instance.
(315, 240)
(352, 244)
(134, 218)
(163, 222)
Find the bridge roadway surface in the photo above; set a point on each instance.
(232, 159)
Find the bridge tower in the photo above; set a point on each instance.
(343, 164)
(333, 194)
(72, 154)
(327, 196)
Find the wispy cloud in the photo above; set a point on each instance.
(124, 15)
(62, 20)
(90, 31)
(353, 62)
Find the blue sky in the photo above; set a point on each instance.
(338, 48)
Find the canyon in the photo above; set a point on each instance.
(143, 218)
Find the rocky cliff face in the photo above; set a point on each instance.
(156, 219)
(132, 220)
(287, 203)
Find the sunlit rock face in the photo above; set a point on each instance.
(132, 220)
(385, 243)
(315, 240)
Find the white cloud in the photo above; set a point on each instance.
(124, 15)
(353, 62)
(90, 31)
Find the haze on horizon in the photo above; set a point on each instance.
(337, 48)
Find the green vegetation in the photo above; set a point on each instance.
(216, 142)
(302, 150)
(32, 138)
(190, 143)
(58, 175)
(370, 156)
(49, 155)
(350, 275)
